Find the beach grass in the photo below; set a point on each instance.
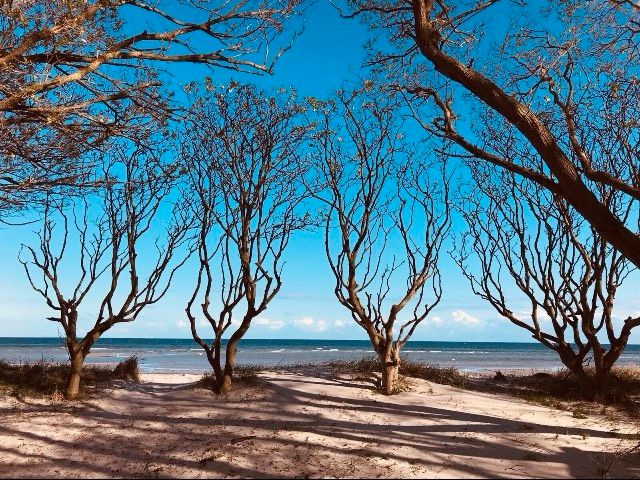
(557, 389)
(426, 371)
(244, 375)
(46, 379)
(560, 389)
(128, 370)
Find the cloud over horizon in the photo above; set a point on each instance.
(268, 323)
(460, 316)
(311, 324)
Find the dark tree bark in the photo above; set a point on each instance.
(546, 88)
(75, 73)
(108, 229)
(244, 162)
(372, 197)
(519, 235)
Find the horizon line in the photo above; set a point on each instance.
(289, 339)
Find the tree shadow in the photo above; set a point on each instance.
(292, 425)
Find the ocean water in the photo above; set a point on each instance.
(184, 355)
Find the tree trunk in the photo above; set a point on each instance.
(601, 386)
(594, 386)
(390, 365)
(224, 382)
(223, 378)
(73, 382)
(600, 383)
(214, 356)
(570, 184)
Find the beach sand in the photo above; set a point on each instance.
(305, 424)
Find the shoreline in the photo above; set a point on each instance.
(183, 356)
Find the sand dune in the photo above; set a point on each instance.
(303, 424)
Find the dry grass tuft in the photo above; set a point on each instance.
(434, 373)
(431, 372)
(246, 375)
(364, 366)
(562, 390)
(42, 379)
(128, 370)
(369, 366)
(553, 389)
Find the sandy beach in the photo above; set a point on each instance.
(301, 424)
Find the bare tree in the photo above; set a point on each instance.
(374, 200)
(103, 235)
(242, 154)
(557, 75)
(75, 73)
(520, 235)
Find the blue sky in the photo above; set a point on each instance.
(327, 54)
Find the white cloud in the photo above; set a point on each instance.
(460, 316)
(436, 321)
(269, 324)
(339, 323)
(525, 316)
(181, 324)
(310, 323)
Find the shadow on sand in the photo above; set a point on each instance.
(290, 424)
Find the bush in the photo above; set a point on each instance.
(45, 379)
(242, 375)
(433, 373)
(42, 379)
(127, 370)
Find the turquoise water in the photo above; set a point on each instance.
(183, 355)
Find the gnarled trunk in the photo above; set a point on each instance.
(594, 386)
(568, 179)
(73, 381)
(78, 351)
(390, 363)
(224, 381)
(223, 377)
(214, 355)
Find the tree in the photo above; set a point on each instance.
(242, 154)
(374, 197)
(564, 73)
(102, 234)
(520, 235)
(74, 73)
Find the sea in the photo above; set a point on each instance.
(156, 355)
